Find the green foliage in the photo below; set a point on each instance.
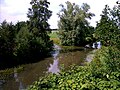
(73, 25)
(107, 30)
(39, 15)
(115, 12)
(89, 77)
(53, 34)
(54, 37)
(26, 41)
(22, 41)
(7, 73)
(7, 34)
(7, 43)
(38, 25)
(107, 59)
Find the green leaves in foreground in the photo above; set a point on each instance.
(89, 77)
(78, 79)
(107, 59)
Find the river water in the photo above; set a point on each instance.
(34, 71)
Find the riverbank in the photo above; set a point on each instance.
(102, 73)
(62, 55)
(33, 71)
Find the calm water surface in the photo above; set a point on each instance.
(33, 71)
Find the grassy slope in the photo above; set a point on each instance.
(54, 37)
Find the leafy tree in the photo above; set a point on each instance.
(106, 59)
(21, 24)
(38, 25)
(39, 15)
(107, 30)
(27, 40)
(32, 40)
(22, 42)
(73, 24)
(7, 34)
(115, 14)
(7, 43)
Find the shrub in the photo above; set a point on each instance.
(106, 59)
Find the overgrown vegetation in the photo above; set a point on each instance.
(108, 28)
(8, 73)
(74, 28)
(102, 73)
(26, 41)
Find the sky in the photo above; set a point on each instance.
(16, 10)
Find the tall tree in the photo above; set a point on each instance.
(38, 25)
(107, 30)
(22, 42)
(26, 40)
(7, 44)
(7, 34)
(73, 24)
(39, 15)
(115, 13)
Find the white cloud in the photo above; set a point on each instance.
(15, 10)
(96, 8)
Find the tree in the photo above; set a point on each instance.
(22, 43)
(7, 43)
(73, 24)
(107, 30)
(7, 34)
(38, 25)
(115, 14)
(20, 24)
(39, 15)
(26, 41)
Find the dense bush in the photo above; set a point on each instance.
(7, 44)
(89, 77)
(7, 35)
(19, 44)
(108, 28)
(28, 40)
(107, 59)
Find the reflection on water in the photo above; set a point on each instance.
(90, 56)
(1, 84)
(54, 68)
(21, 86)
(32, 72)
